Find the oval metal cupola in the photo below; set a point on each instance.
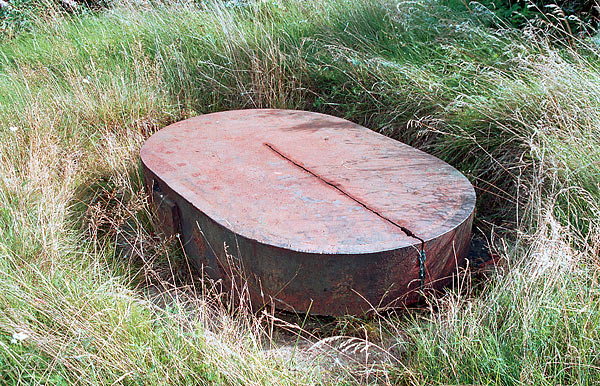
(314, 212)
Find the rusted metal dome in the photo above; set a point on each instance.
(319, 213)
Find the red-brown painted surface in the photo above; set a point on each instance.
(316, 211)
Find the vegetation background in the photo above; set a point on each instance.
(508, 92)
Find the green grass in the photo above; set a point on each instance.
(103, 300)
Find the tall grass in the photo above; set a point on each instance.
(90, 294)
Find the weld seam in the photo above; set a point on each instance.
(407, 231)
